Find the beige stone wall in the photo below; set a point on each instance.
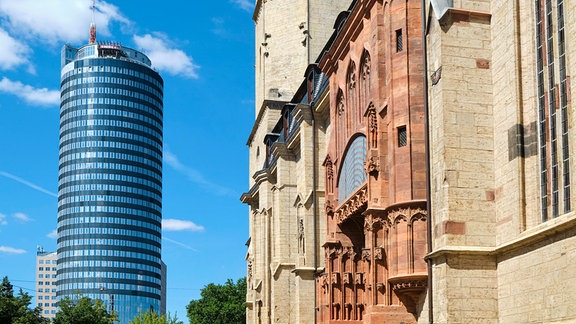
(462, 149)
(462, 156)
(537, 283)
(289, 35)
(514, 268)
(465, 290)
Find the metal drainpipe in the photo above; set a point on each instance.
(427, 152)
(314, 164)
(314, 204)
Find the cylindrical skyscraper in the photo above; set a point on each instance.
(110, 178)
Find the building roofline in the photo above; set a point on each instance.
(256, 10)
(266, 104)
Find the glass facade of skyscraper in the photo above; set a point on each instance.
(110, 178)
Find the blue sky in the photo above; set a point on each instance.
(204, 51)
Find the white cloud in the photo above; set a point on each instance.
(57, 21)
(14, 53)
(180, 225)
(247, 5)
(53, 234)
(23, 218)
(195, 176)
(11, 250)
(3, 220)
(34, 96)
(165, 58)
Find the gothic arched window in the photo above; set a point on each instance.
(352, 173)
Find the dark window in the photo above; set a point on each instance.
(402, 136)
(399, 43)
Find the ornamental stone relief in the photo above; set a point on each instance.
(353, 205)
(406, 214)
(410, 284)
(372, 166)
(379, 253)
(366, 254)
(324, 283)
(340, 107)
(373, 126)
(359, 278)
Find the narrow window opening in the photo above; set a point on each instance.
(402, 136)
(310, 86)
(399, 43)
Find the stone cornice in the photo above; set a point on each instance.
(266, 105)
(302, 113)
(298, 270)
(257, 10)
(261, 176)
(275, 268)
(250, 196)
(279, 149)
(529, 237)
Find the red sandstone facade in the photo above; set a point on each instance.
(375, 167)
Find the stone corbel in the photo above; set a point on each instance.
(372, 166)
(366, 254)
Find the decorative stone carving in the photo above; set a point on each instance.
(349, 251)
(249, 279)
(368, 224)
(323, 281)
(366, 67)
(347, 278)
(329, 207)
(335, 278)
(366, 254)
(415, 284)
(352, 77)
(359, 278)
(373, 126)
(406, 213)
(379, 253)
(340, 104)
(372, 166)
(301, 237)
(329, 167)
(353, 205)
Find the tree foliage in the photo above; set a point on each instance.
(83, 311)
(151, 317)
(16, 309)
(220, 304)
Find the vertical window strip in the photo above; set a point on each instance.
(564, 106)
(541, 111)
(552, 108)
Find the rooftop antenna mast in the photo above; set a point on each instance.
(93, 24)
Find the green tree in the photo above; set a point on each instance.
(84, 311)
(16, 309)
(220, 304)
(151, 317)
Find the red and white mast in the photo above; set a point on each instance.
(93, 24)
